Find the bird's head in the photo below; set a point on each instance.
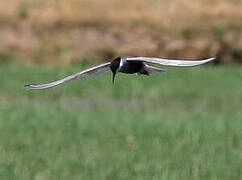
(115, 66)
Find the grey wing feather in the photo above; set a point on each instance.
(170, 62)
(86, 73)
(152, 70)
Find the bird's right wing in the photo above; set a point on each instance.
(170, 62)
(86, 73)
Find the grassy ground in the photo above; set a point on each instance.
(183, 124)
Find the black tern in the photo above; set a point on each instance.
(125, 64)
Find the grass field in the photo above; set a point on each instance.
(183, 124)
(67, 31)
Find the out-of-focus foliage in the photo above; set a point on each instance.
(183, 124)
(75, 30)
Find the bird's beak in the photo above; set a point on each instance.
(114, 74)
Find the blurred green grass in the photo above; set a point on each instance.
(182, 124)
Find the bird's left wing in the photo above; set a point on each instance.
(86, 73)
(170, 62)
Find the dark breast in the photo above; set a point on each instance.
(132, 67)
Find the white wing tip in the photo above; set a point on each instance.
(28, 85)
(37, 86)
(211, 59)
(31, 86)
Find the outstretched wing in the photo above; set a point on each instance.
(170, 62)
(86, 73)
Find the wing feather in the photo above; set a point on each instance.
(170, 62)
(94, 71)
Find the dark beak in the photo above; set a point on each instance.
(114, 74)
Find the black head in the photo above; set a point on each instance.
(115, 66)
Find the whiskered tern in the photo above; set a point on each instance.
(125, 64)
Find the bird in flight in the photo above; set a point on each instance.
(125, 64)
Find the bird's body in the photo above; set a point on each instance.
(125, 64)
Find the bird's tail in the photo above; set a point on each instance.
(150, 70)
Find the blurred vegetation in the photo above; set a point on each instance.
(183, 124)
(161, 127)
(65, 31)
